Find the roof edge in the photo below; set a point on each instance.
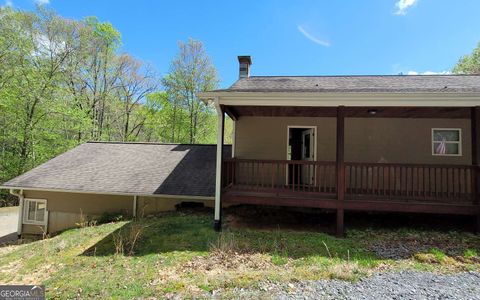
(150, 143)
(193, 197)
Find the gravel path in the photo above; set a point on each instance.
(399, 285)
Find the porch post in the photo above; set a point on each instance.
(218, 177)
(475, 132)
(340, 169)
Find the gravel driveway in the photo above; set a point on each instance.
(8, 223)
(384, 286)
(398, 285)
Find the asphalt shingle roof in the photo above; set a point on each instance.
(130, 168)
(379, 84)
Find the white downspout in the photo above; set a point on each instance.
(218, 177)
(20, 209)
(135, 206)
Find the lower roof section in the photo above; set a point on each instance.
(127, 168)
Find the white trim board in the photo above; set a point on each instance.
(305, 127)
(445, 99)
(314, 147)
(186, 197)
(459, 142)
(25, 212)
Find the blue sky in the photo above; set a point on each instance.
(292, 37)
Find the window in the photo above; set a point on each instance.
(35, 211)
(447, 141)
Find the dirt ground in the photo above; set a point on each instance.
(324, 221)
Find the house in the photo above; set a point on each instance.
(373, 143)
(108, 177)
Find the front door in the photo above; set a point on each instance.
(308, 154)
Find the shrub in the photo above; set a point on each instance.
(108, 217)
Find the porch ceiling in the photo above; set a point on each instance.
(236, 112)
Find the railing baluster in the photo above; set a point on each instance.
(445, 183)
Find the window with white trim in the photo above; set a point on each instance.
(35, 211)
(446, 141)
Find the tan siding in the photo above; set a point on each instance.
(66, 210)
(401, 140)
(32, 229)
(266, 137)
(91, 204)
(397, 140)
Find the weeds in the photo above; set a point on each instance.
(125, 240)
(225, 243)
(85, 222)
(470, 253)
(180, 254)
(108, 217)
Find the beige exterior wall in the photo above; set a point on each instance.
(396, 140)
(66, 210)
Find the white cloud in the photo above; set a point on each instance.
(403, 5)
(429, 73)
(8, 3)
(42, 2)
(312, 37)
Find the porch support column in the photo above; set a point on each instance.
(218, 177)
(340, 169)
(475, 128)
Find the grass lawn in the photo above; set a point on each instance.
(179, 253)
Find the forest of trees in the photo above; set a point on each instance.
(64, 82)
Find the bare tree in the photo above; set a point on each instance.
(134, 84)
(191, 72)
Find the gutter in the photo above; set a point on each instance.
(180, 197)
(20, 209)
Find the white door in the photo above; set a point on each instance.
(308, 154)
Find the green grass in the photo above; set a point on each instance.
(180, 253)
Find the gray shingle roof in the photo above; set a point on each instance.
(380, 83)
(130, 168)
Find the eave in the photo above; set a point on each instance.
(425, 99)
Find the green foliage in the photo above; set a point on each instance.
(180, 253)
(64, 82)
(108, 217)
(469, 64)
(191, 72)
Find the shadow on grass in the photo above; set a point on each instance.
(177, 232)
(294, 234)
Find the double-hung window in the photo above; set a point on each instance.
(35, 211)
(446, 141)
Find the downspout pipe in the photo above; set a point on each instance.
(218, 173)
(21, 198)
(135, 199)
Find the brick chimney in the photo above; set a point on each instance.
(244, 63)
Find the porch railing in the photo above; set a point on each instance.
(445, 183)
(280, 175)
(409, 182)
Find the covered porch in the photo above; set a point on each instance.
(354, 182)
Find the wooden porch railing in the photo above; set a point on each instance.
(445, 183)
(406, 182)
(280, 175)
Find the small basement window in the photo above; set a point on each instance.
(446, 141)
(35, 211)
